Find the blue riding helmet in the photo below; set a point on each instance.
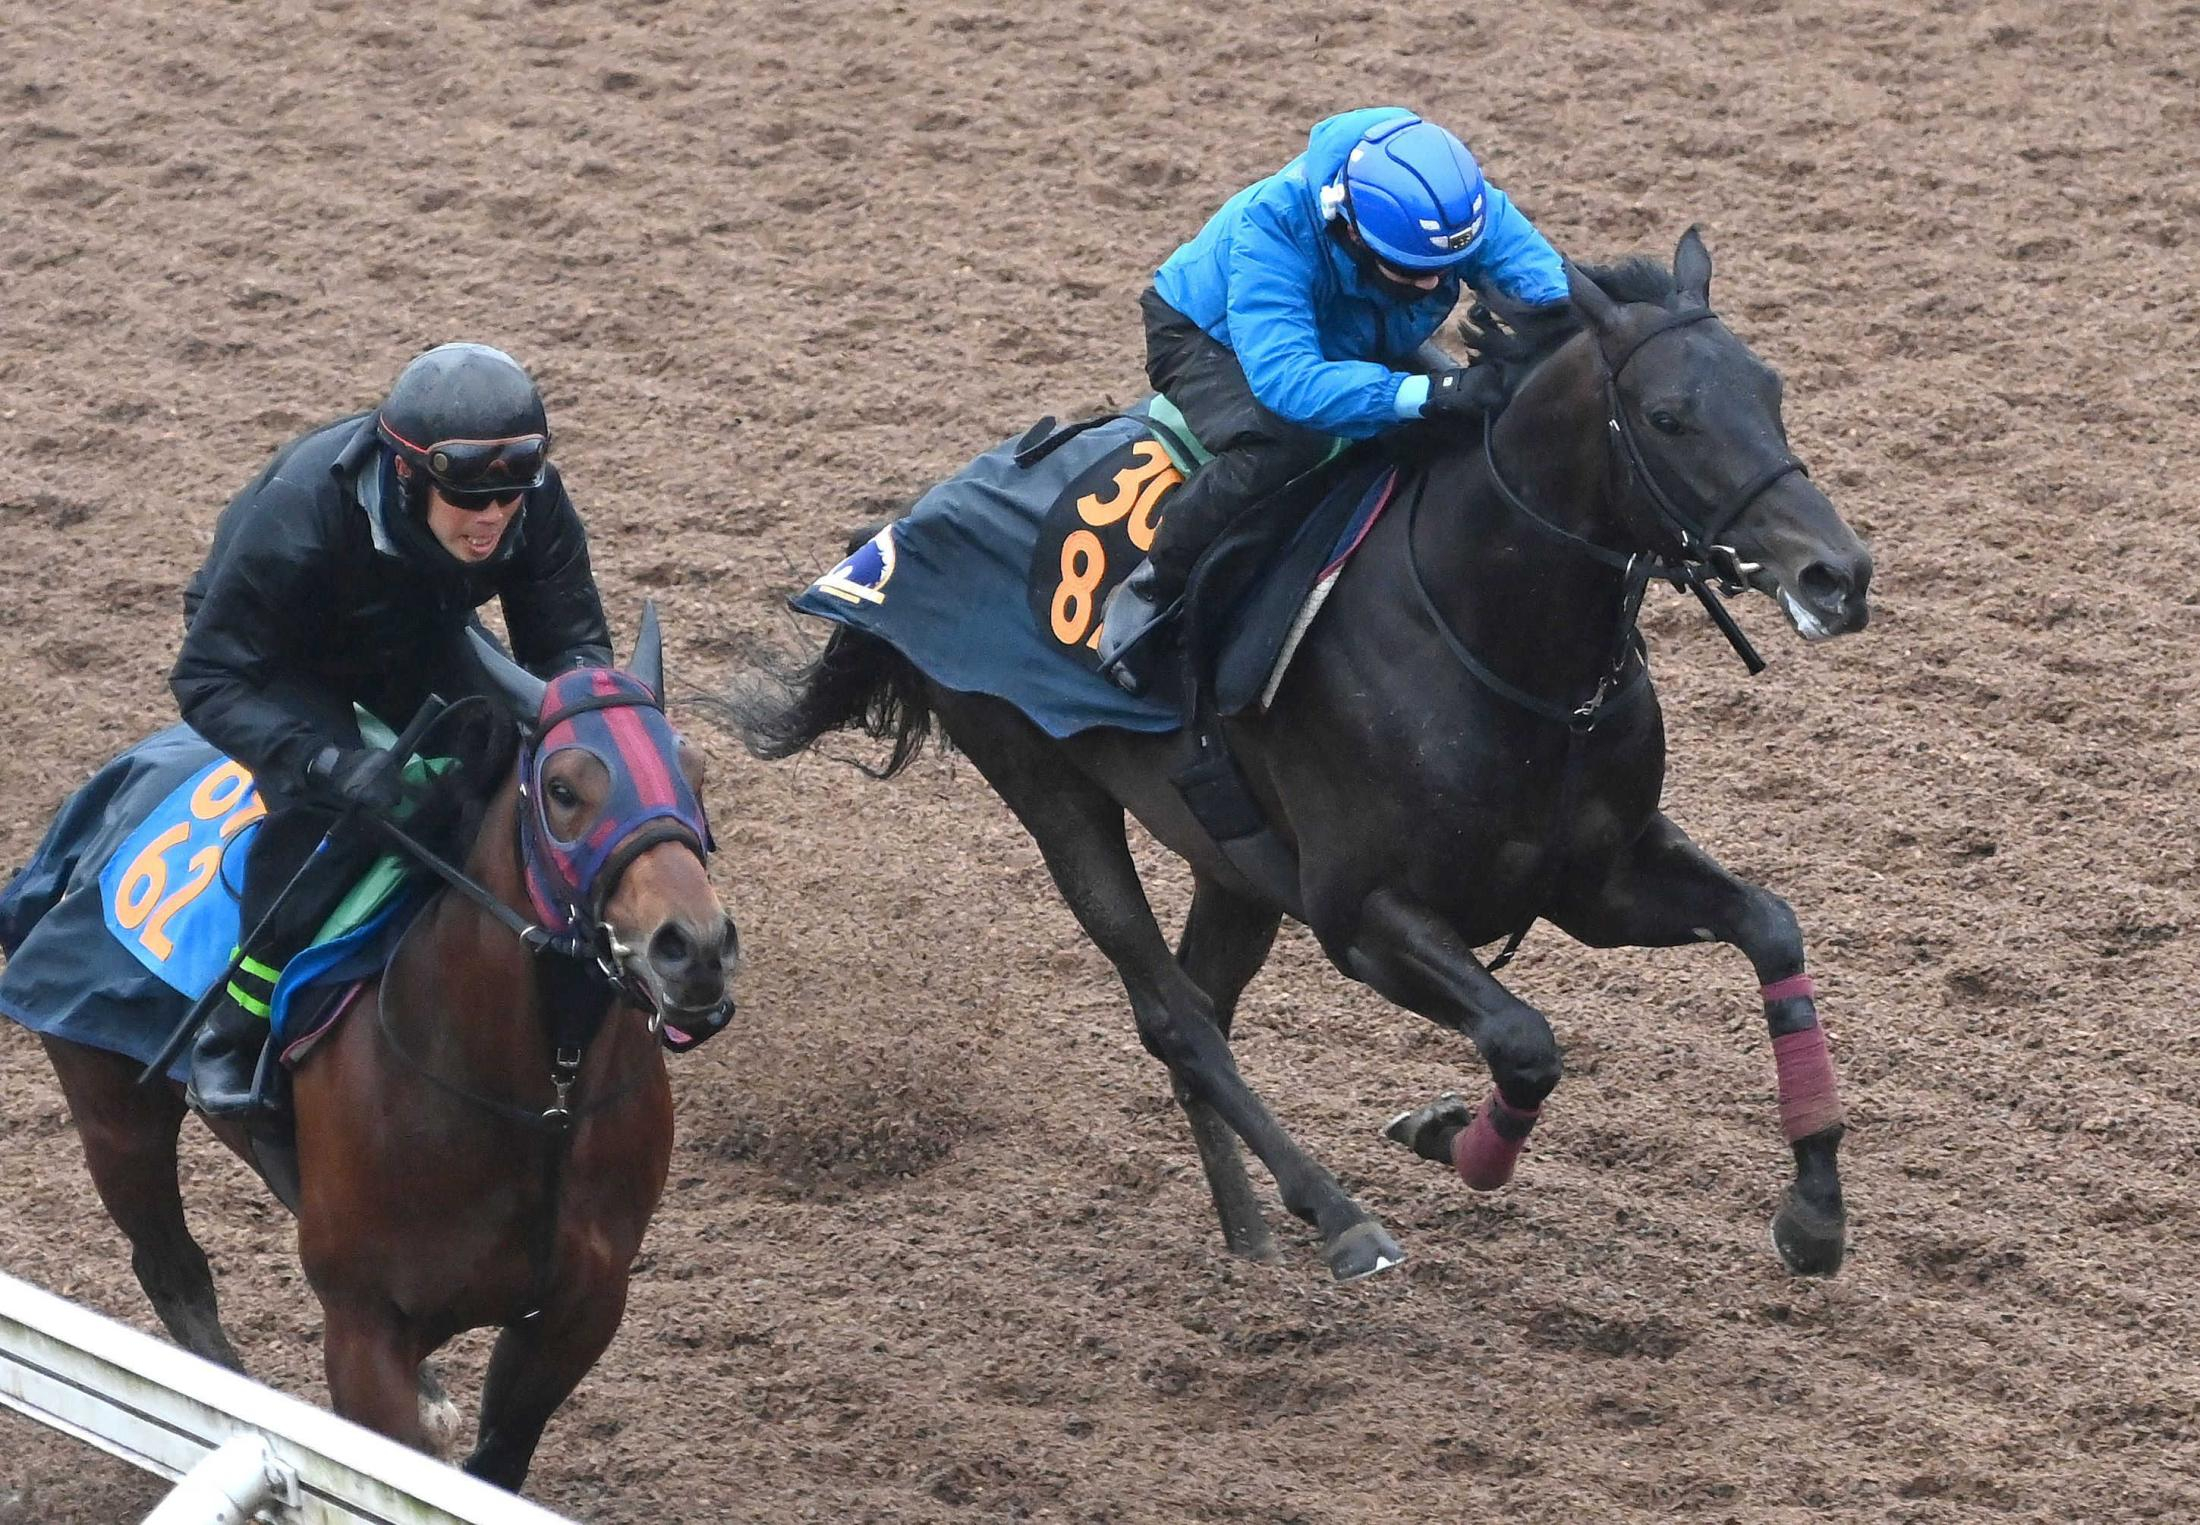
(1413, 194)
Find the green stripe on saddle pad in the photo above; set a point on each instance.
(387, 873)
(1176, 436)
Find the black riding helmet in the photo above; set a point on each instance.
(468, 418)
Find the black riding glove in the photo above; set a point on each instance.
(1464, 392)
(356, 776)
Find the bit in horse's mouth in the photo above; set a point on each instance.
(1807, 624)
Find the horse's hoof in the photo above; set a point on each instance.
(440, 1424)
(1362, 1250)
(1808, 1240)
(1421, 1129)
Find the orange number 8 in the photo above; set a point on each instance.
(1084, 564)
(219, 791)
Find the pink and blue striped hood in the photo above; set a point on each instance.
(615, 717)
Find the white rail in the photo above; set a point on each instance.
(237, 1447)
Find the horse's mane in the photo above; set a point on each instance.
(1500, 332)
(1521, 345)
(484, 741)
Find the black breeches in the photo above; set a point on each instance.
(1255, 451)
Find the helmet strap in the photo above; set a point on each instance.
(412, 488)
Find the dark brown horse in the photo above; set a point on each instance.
(440, 1190)
(1467, 740)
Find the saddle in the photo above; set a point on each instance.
(1246, 606)
(994, 579)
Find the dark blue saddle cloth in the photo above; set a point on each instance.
(128, 910)
(994, 580)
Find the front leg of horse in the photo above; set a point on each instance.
(1667, 891)
(535, 1367)
(373, 1357)
(1410, 955)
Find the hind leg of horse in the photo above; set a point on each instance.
(1226, 940)
(129, 1133)
(1667, 891)
(1079, 829)
(534, 1368)
(1411, 956)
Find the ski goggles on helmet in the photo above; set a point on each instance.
(475, 473)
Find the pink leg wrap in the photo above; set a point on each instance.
(1486, 1150)
(1809, 1100)
(1788, 989)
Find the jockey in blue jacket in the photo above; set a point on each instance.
(1303, 312)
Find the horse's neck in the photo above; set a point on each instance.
(1508, 586)
(469, 995)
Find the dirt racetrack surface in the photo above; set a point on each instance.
(936, 1246)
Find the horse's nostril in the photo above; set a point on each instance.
(1823, 584)
(670, 949)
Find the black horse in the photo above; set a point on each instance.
(1467, 741)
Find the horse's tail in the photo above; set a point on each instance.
(857, 683)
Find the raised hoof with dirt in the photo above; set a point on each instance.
(1425, 1130)
(1362, 1250)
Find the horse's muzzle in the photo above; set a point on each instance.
(687, 965)
(1829, 597)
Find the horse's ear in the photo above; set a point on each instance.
(1692, 269)
(648, 661)
(520, 689)
(1597, 310)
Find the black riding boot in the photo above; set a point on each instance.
(225, 1060)
(1141, 603)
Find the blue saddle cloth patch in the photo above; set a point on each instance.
(168, 893)
(127, 911)
(357, 954)
(994, 580)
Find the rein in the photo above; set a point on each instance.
(596, 954)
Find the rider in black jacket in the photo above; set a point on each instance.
(346, 574)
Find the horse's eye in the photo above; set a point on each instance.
(1665, 423)
(561, 794)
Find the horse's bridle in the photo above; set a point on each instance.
(1698, 538)
(588, 939)
(1695, 551)
(1695, 556)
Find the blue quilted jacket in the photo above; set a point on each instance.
(1319, 343)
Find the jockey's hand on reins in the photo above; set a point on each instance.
(1465, 392)
(363, 778)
